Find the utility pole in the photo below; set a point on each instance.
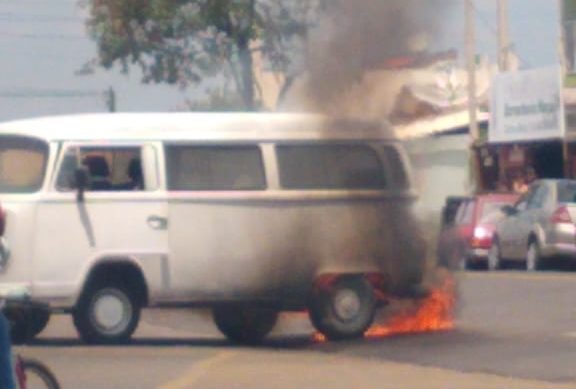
(471, 65)
(110, 99)
(503, 36)
(562, 45)
(475, 176)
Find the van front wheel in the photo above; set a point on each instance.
(247, 325)
(345, 309)
(107, 314)
(26, 323)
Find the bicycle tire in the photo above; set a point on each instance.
(32, 367)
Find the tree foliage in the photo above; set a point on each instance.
(182, 42)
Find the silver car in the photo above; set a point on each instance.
(539, 226)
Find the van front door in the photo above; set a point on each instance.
(122, 218)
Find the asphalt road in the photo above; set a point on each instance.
(514, 330)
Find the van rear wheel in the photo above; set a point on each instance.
(107, 313)
(345, 309)
(247, 325)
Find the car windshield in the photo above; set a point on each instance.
(567, 192)
(491, 212)
(18, 177)
(465, 212)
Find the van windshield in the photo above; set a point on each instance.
(22, 164)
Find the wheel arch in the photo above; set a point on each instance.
(122, 269)
(535, 236)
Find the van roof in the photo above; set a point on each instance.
(195, 127)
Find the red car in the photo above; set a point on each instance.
(466, 239)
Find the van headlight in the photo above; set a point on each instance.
(4, 254)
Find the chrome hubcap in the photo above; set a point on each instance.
(347, 304)
(111, 311)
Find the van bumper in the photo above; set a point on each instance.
(4, 254)
(14, 291)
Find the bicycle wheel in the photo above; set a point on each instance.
(37, 375)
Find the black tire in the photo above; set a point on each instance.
(464, 264)
(494, 260)
(345, 309)
(245, 325)
(39, 320)
(534, 259)
(122, 307)
(20, 331)
(36, 373)
(26, 323)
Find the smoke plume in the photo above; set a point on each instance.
(357, 37)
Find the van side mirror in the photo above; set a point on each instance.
(81, 180)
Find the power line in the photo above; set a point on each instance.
(485, 21)
(49, 93)
(489, 26)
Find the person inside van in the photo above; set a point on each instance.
(99, 172)
(135, 177)
(135, 174)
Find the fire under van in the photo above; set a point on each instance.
(246, 214)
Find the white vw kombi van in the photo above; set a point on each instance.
(247, 214)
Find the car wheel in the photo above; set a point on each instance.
(40, 319)
(533, 258)
(26, 323)
(494, 257)
(463, 263)
(345, 309)
(107, 314)
(247, 325)
(20, 329)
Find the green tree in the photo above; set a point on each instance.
(182, 42)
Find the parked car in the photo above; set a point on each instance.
(450, 209)
(466, 241)
(539, 226)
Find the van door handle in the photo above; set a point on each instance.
(157, 222)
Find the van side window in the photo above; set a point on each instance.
(214, 168)
(22, 164)
(109, 169)
(330, 167)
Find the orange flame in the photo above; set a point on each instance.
(435, 313)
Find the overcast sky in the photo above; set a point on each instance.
(43, 43)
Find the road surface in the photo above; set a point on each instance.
(514, 330)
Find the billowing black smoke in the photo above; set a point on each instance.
(357, 37)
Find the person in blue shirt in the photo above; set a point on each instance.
(6, 369)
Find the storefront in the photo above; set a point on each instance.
(527, 135)
(501, 164)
